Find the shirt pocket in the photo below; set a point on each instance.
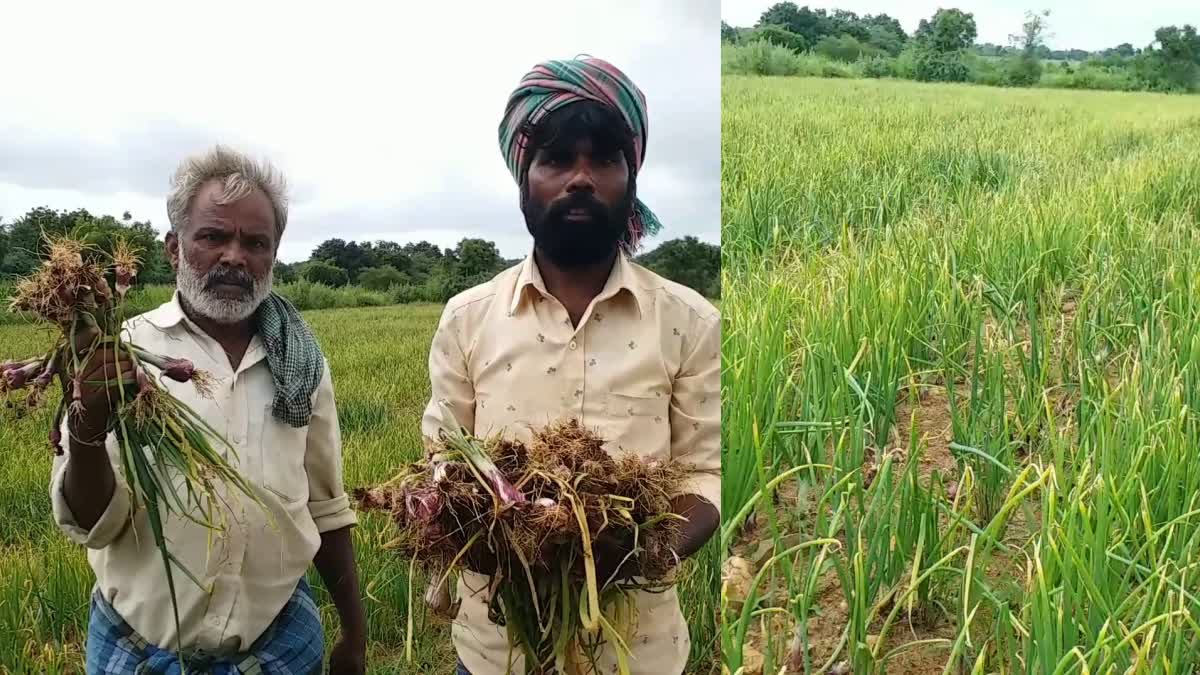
(631, 405)
(636, 423)
(282, 449)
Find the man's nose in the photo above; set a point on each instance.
(581, 176)
(234, 254)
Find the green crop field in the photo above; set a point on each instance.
(961, 379)
(378, 358)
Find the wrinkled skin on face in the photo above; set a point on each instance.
(224, 256)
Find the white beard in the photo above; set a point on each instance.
(191, 285)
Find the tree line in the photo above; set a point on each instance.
(409, 272)
(943, 49)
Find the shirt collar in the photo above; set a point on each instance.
(620, 279)
(170, 314)
(167, 315)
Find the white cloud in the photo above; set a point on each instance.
(384, 117)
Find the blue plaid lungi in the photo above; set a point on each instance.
(294, 644)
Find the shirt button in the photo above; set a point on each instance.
(573, 345)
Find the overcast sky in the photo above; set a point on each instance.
(383, 117)
(1075, 24)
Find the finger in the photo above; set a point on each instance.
(99, 359)
(84, 336)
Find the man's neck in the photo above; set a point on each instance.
(575, 287)
(234, 338)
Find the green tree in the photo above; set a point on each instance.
(687, 261)
(325, 272)
(350, 256)
(284, 273)
(950, 30)
(808, 24)
(25, 240)
(382, 278)
(728, 33)
(778, 35)
(1026, 68)
(1177, 57)
(941, 46)
(846, 48)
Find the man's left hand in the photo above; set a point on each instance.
(610, 550)
(349, 657)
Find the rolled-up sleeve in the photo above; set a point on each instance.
(328, 502)
(116, 515)
(696, 413)
(450, 383)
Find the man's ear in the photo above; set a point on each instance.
(173, 250)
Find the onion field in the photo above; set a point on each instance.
(961, 379)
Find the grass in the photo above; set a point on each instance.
(961, 325)
(44, 590)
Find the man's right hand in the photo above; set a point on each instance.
(480, 559)
(99, 392)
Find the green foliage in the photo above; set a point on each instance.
(1024, 70)
(878, 66)
(846, 48)
(381, 278)
(759, 58)
(728, 33)
(324, 272)
(284, 273)
(23, 245)
(931, 65)
(950, 30)
(893, 250)
(1177, 58)
(779, 35)
(687, 261)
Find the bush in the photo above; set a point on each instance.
(878, 66)
(934, 66)
(846, 48)
(985, 70)
(1023, 71)
(322, 272)
(759, 58)
(306, 295)
(284, 273)
(1093, 77)
(779, 36)
(381, 278)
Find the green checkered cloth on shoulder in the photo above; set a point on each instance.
(294, 357)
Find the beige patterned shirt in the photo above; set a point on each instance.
(642, 368)
(252, 569)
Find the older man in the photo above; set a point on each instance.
(274, 403)
(579, 330)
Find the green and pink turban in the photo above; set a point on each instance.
(554, 84)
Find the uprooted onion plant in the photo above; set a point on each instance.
(173, 462)
(538, 508)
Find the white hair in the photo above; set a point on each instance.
(239, 176)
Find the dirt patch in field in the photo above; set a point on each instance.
(931, 417)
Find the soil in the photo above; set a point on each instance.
(1007, 572)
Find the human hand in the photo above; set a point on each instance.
(95, 392)
(612, 551)
(349, 656)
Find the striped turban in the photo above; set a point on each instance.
(554, 84)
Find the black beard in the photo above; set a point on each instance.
(576, 244)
